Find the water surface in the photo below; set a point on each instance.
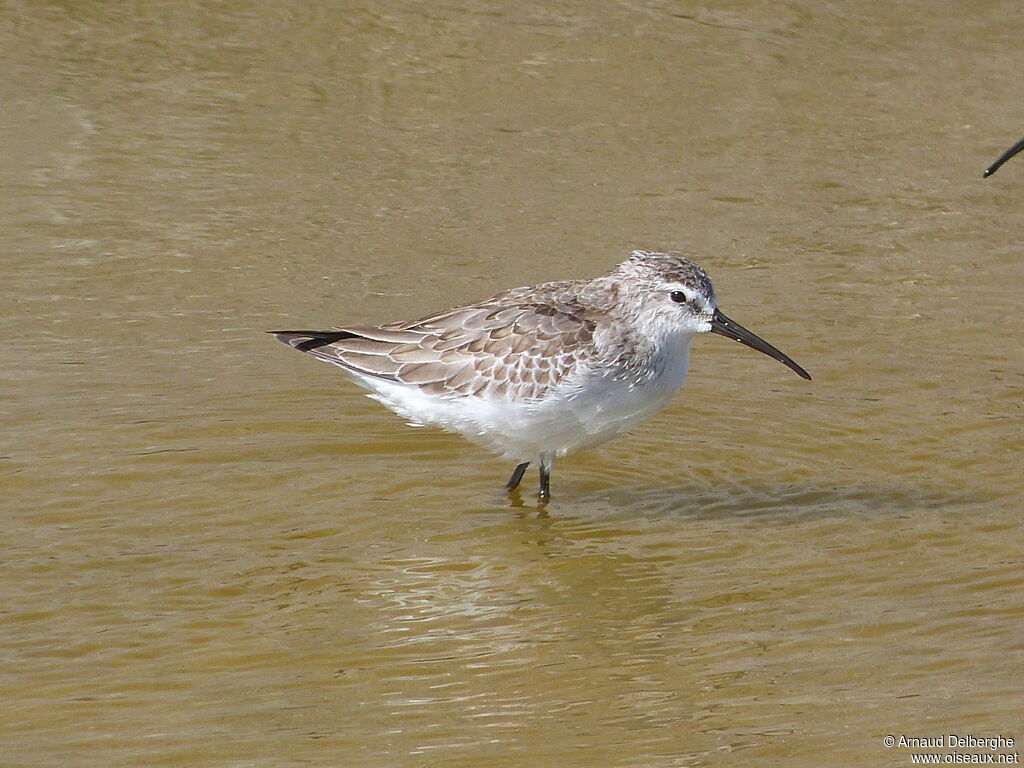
(217, 552)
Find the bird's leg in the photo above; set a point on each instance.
(546, 460)
(517, 476)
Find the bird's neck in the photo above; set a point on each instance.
(660, 361)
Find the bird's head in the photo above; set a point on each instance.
(673, 296)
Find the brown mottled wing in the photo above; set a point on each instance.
(510, 346)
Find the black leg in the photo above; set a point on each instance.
(545, 478)
(517, 476)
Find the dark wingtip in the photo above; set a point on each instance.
(305, 341)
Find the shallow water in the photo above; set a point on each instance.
(217, 552)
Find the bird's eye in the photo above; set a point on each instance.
(678, 297)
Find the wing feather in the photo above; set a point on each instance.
(518, 344)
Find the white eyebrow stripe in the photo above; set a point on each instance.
(693, 294)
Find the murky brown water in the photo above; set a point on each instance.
(218, 553)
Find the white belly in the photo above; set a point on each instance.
(578, 416)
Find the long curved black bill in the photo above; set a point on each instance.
(1004, 157)
(731, 329)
